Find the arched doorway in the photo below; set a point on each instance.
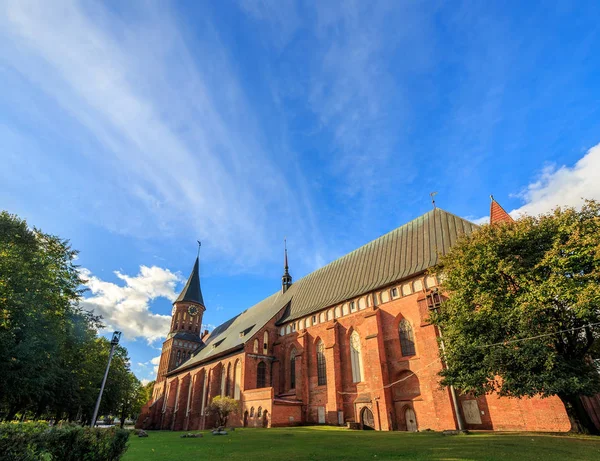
(265, 420)
(411, 420)
(366, 419)
(246, 418)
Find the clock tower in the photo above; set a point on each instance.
(186, 326)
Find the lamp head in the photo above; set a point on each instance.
(115, 338)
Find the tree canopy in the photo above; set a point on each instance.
(522, 316)
(222, 407)
(51, 357)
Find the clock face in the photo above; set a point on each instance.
(192, 310)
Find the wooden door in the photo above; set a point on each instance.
(366, 419)
(411, 420)
(321, 414)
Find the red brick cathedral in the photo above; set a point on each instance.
(348, 343)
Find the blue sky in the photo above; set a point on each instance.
(136, 128)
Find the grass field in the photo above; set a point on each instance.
(330, 443)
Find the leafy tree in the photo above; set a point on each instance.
(39, 289)
(523, 313)
(134, 397)
(222, 408)
(51, 357)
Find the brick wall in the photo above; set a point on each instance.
(393, 385)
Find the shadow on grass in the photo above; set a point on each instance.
(334, 443)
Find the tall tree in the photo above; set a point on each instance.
(51, 357)
(39, 289)
(523, 309)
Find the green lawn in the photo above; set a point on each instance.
(331, 443)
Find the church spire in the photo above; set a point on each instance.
(191, 291)
(286, 278)
(497, 213)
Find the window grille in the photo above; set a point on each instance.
(293, 370)
(407, 340)
(261, 375)
(321, 365)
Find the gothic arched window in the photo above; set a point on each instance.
(223, 380)
(407, 339)
(261, 375)
(293, 369)
(178, 357)
(237, 379)
(255, 346)
(321, 367)
(228, 390)
(356, 358)
(252, 412)
(259, 412)
(266, 343)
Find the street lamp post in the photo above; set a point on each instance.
(113, 342)
(435, 303)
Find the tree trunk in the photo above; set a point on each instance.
(122, 422)
(11, 413)
(578, 416)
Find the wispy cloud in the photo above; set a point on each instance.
(171, 138)
(354, 90)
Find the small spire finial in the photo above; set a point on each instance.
(492, 198)
(199, 245)
(432, 195)
(286, 279)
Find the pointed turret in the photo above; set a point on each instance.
(497, 213)
(191, 291)
(286, 278)
(186, 322)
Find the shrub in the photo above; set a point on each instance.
(222, 407)
(38, 441)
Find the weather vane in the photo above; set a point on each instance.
(432, 195)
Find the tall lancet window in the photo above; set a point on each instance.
(356, 358)
(228, 390)
(223, 380)
(321, 366)
(407, 339)
(237, 379)
(261, 375)
(293, 369)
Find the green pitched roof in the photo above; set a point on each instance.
(399, 254)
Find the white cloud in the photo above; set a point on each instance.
(563, 186)
(145, 381)
(479, 221)
(559, 186)
(126, 307)
(155, 361)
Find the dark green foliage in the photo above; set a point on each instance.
(38, 441)
(51, 358)
(523, 301)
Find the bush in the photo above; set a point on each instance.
(39, 442)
